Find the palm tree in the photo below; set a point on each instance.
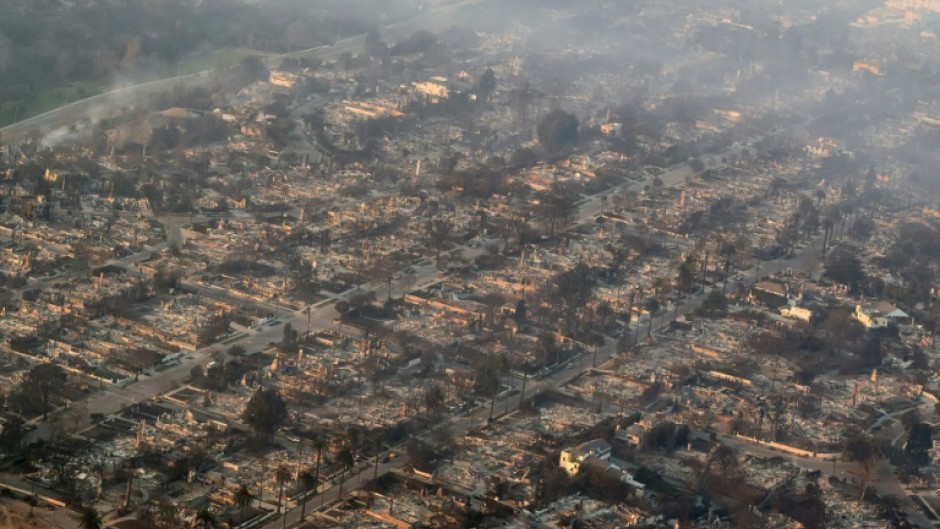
(505, 366)
(933, 323)
(727, 250)
(346, 460)
(243, 499)
(306, 478)
(820, 194)
(345, 457)
(687, 275)
(495, 397)
(90, 519)
(205, 519)
(318, 444)
(862, 450)
(639, 314)
(546, 344)
(661, 287)
(829, 221)
(433, 399)
(439, 234)
(652, 307)
(281, 476)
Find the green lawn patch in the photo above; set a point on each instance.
(19, 109)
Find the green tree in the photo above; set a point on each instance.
(289, 337)
(419, 454)
(281, 476)
(306, 479)
(523, 157)
(206, 520)
(12, 436)
(440, 232)
(318, 444)
(519, 314)
(557, 130)
(843, 266)
(374, 47)
(265, 413)
(558, 204)
(714, 304)
(485, 375)
(486, 85)
(45, 382)
(90, 519)
(252, 68)
(861, 449)
(919, 443)
(345, 457)
(571, 290)
(433, 399)
(243, 499)
(687, 273)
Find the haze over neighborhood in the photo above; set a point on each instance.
(469, 264)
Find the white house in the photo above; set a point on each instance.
(596, 454)
(878, 315)
(572, 458)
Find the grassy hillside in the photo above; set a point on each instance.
(54, 52)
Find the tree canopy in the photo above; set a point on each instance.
(90, 519)
(265, 413)
(486, 85)
(45, 382)
(558, 130)
(843, 266)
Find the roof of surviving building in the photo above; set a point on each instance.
(592, 447)
(772, 288)
(882, 308)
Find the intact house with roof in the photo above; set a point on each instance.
(572, 458)
(596, 454)
(772, 294)
(878, 315)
